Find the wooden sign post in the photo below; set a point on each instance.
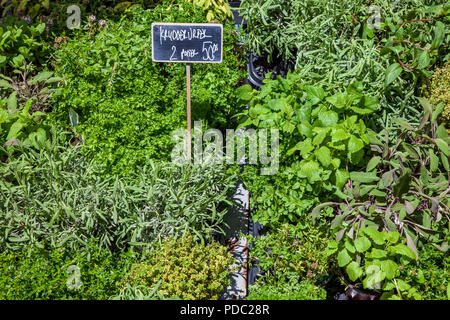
(187, 43)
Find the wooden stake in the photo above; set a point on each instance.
(188, 87)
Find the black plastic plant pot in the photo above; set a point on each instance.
(354, 293)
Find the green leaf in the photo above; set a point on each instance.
(12, 101)
(403, 250)
(387, 178)
(311, 170)
(374, 278)
(443, 146)
(437, 111)
(305, 129)
(378, 253)
(337, 221)
(364, 177)
(355, 144)
(439, 34)
(41, 76)
(5, 84)
(321, 134)
(343, 258)
(375, 235)
(392, 73)
(15, 129)
(392, 236)
(448, 291)
(305, 147)
(445, 163)
(403, 124)
(434, 161)
(362, 244)
(425, 105)
(244, 93)
(338, 100)
(339, 135)
(353, 270)
(328, 118)
(423, 59)
(373, 163)
(342, 176)
(316, 211)
(323, 155)
(389, 267)
(315, 94)
(402, 184)
(441, 132)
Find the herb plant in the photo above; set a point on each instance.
(185, 269)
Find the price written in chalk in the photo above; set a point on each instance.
(187, 42)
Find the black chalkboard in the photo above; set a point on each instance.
(187, 42)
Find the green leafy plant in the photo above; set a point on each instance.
(291, 249)
(55, 196)
(430, 275)
(404, 187)
(185, 269)
(24, 102)
(215, 9)
(19, 42)
(286, 289)
(35, 274)
(375, 258)
(322, 137)
(391, 47)
(440, 93)
(128, 106)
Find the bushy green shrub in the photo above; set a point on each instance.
(128, 106)
(390, 46)
(52, 273)
(322, 136)
(186, 269)
(440, 93)
(290, 249)
(404, 187)
(430, 276)
(56, 196)
(22, 41)
(289, 288)
(24, 101)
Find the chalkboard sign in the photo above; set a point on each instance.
(187, 42)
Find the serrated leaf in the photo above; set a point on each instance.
(389, 267)
(353, 270)
(328, 118)
(375, 235)
(355, 144)
(374, 277)
(343, 258)
(323, 155)
(403, 250)
(362, 244)
(392, 236)
(342, 177)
